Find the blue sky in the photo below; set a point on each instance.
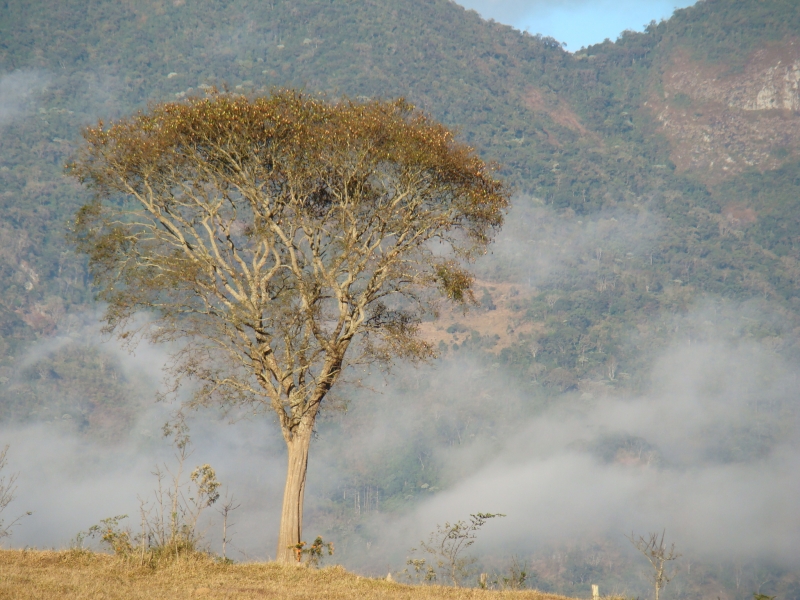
(577, 22)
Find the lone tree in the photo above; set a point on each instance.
(281, 240)
(655, 550)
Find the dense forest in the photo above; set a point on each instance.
(617, 247)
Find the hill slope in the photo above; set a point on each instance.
(669, 126)
(65, 575)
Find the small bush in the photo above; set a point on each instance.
(315, 553)
(169, 524)
(445, 546)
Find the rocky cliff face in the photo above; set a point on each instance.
(777, 89)
(721, 121)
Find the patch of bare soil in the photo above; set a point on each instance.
(505, 323)
(555, 108)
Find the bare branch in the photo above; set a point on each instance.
(655, 550)
(8, 488)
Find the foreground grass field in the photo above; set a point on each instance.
(42, 575)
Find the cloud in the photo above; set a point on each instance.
(536, 244)
(18, 91)
(514, 11)
(692, 456)
(71, 481)
(709, 451)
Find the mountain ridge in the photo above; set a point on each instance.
(612, 127)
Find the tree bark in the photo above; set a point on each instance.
(291, 529)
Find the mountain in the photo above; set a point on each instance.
(692, 122)
(655, 177)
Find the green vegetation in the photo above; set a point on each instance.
(569, 130)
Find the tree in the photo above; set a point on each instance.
(8, 490)
(446, 546)
(281, 239)
(656, 552)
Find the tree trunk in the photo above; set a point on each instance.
(291, 529)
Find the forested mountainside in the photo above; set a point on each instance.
(689, 129)
(656, 188)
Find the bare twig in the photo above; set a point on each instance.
(8, 488)
(227, 508)
(446, 546)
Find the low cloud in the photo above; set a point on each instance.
(18, 93)
(537, 245)
(70, 480)
(71, 483)
(710, 454)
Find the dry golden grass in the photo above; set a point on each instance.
(506, 321)
(25, 575)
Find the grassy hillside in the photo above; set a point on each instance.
(29, 575)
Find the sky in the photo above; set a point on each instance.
(579, 23)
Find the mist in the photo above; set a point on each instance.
(690, 457)
(708, 448)
(537, 243)
(555, 482)
(18, 93)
